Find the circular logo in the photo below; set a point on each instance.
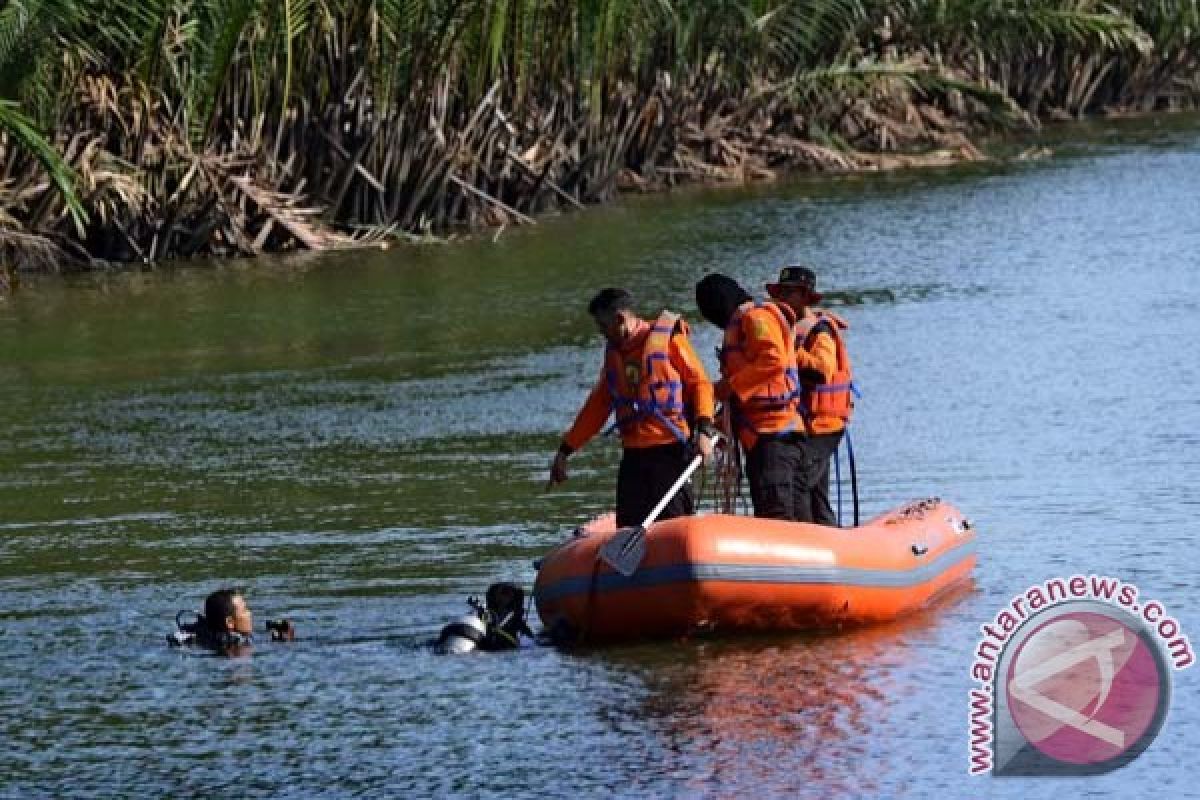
(1088, 687)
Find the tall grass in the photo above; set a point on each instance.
(144, 129)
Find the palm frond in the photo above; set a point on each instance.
(853, 79)
(225, 25)
(797, 33)
(24, 133)
(15, 19)
(297, 16)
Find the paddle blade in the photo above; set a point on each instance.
(625, 550)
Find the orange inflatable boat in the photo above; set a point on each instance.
(731, 573)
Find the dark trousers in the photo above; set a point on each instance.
(643, 478)
(821, 449)
(780, 473)
(789, 477)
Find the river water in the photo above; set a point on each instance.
(361, 440)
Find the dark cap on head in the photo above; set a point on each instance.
(718, 296)
(796, 277)
(610, 301)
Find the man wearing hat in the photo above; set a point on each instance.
(826, 404)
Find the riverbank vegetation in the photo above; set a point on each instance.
(150, 129)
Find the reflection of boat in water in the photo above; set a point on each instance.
(786, 716)
(728, 573)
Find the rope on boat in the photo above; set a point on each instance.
(727, 467)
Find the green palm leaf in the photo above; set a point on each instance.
(297, 16)
(25, 134)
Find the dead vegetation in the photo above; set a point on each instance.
(174, 129)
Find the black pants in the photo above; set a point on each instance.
(789, 477)
(821, 449)
(643, 478)
(781, 477)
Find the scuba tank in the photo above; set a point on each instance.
(496, 624)
(462, 636)
(186, 633)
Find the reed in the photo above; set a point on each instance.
(151, 129)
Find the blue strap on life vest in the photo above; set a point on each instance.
(765, 402)
(628, 410)
(829, 388)
(791, 374)
(671, 426)
(674, 394)
(823, 388)
(853, 473)
(837, 481)
(853, 466)
(740, 421)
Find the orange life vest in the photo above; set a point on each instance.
(835, 397)
(647, 394)
(774, 407)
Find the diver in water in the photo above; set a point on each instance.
(226, 626)
(496, 624)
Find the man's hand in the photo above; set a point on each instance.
(558, 469)
(706, 438)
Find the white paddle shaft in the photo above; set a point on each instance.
(674, 490)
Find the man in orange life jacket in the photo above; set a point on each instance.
(760, 379)
(826, 403)
(655, 384)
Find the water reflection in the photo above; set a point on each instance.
(728, 713)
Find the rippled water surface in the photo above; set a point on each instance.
(361, 440)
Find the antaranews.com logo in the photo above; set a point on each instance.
(1072, 677)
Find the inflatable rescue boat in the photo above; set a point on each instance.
(732, 573)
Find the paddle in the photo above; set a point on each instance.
(627, 547)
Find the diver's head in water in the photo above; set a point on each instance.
(226, 625)
(226, 612)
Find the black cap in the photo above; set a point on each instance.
(718, 296)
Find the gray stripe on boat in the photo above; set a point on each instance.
(761, 573)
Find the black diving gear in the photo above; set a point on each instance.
(496, 624)
(281, 630)
(198, 633)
